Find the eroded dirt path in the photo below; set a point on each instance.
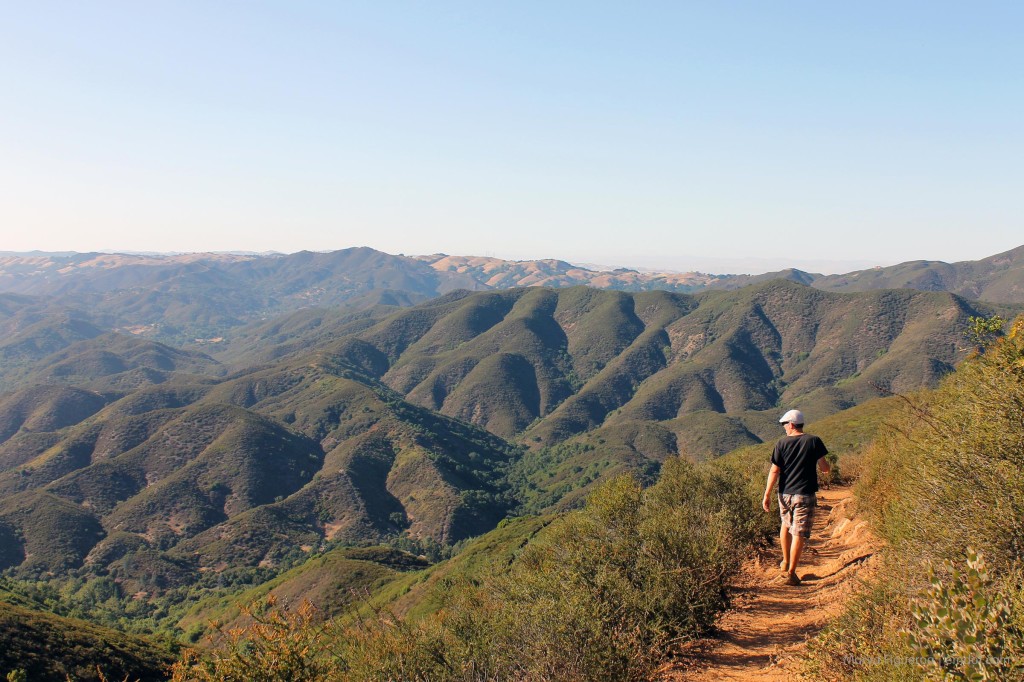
(763, 636)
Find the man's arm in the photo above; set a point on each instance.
(823, 465)
(773, 477)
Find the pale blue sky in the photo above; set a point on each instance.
(724, 136)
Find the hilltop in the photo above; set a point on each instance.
(497, 273)
(202, 297)
(998, 278)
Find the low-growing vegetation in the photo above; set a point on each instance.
(943, 485)
(601, 593)
(43, 646)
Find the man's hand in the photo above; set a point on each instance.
(773, 476)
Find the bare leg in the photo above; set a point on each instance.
(795, 550)
(784, 540)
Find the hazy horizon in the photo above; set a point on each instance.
(720, 266)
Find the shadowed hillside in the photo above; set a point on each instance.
(48, 647)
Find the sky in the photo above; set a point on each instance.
(720, 136)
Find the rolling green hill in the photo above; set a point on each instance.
(171, 481)
(46, 408)
(117, 362)
(542, 366)
(66, 348)
(49, 647)
(32, 328)
(998, 278)
(333, 582)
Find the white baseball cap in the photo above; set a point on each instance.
(792, 417)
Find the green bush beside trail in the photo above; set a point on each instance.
(943, 485)
(601, 593)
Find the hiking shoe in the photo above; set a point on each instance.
(792, 580)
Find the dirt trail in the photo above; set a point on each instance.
(763, 636)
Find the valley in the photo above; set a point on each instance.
(396, 429)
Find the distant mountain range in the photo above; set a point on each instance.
(184, 297)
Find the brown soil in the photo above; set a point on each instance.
(764, 635)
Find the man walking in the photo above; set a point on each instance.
(793, 467)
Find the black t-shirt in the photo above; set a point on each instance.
(798, 456)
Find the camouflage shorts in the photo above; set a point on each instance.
(797, 512)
